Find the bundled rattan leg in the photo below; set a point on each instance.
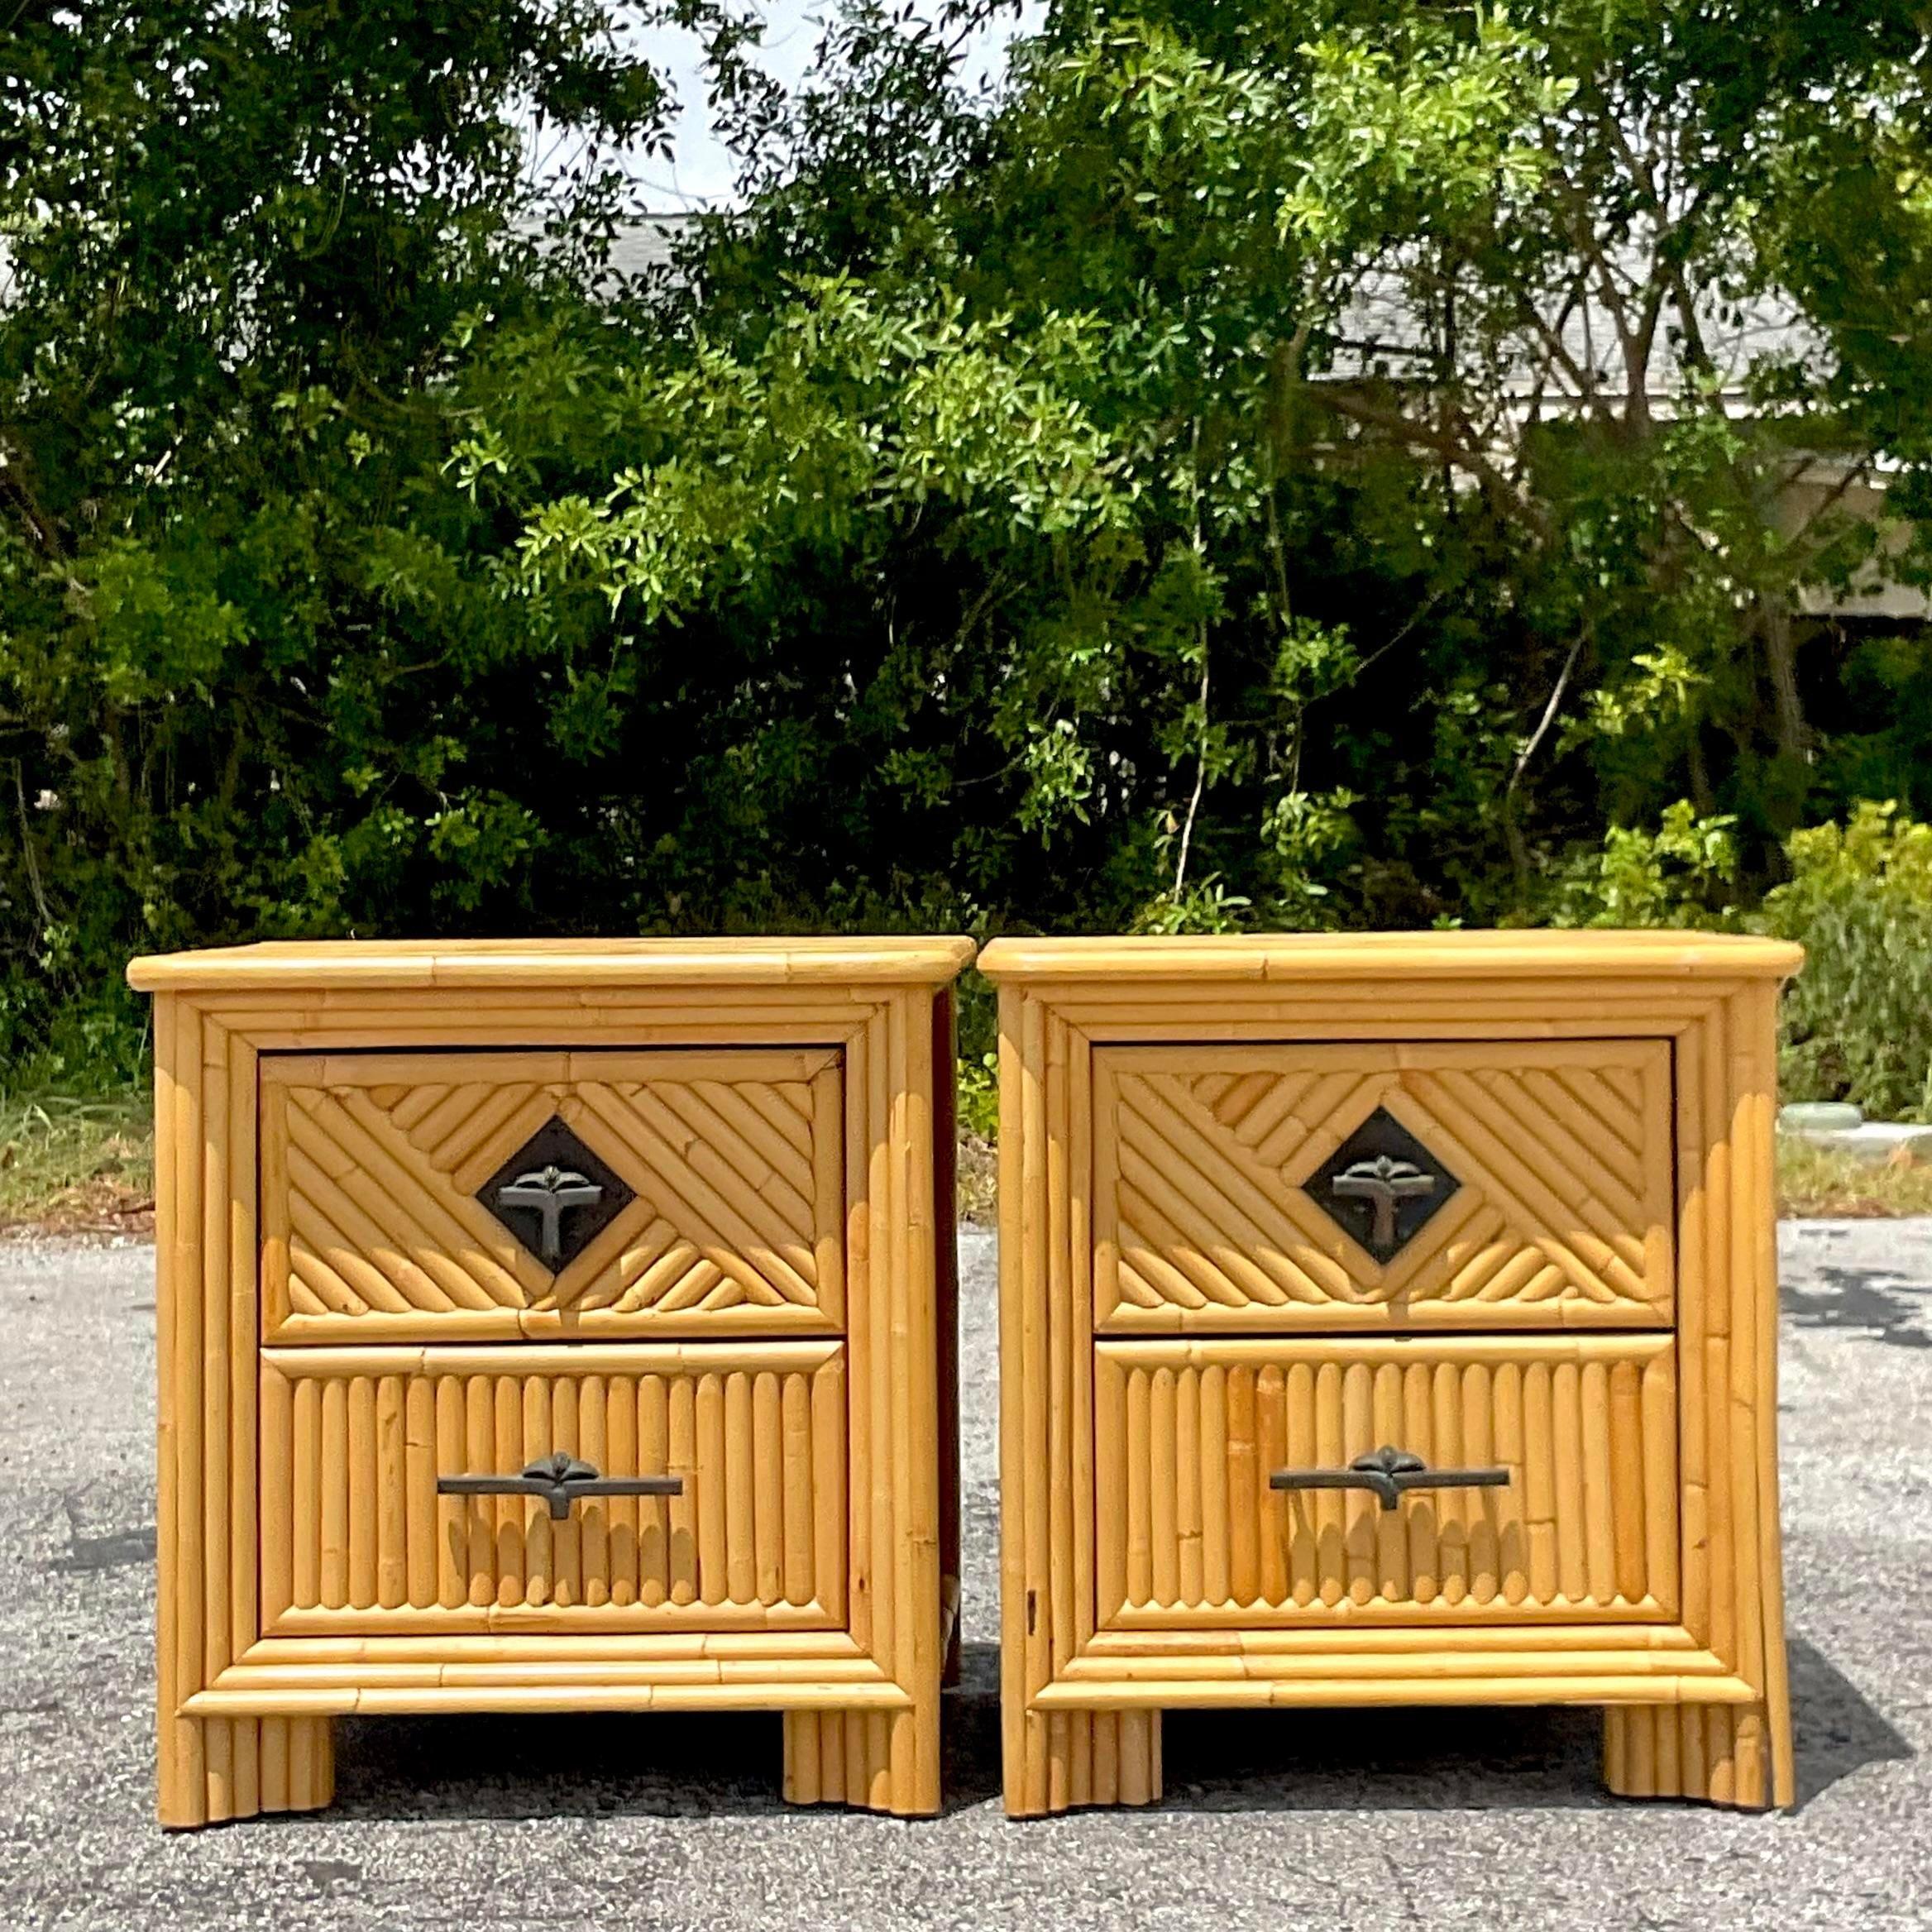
(218, 1768)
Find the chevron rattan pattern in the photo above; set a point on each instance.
(370, 1169)
(1562, 1218)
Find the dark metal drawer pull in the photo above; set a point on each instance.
(1389, 1472)
(559, 1479)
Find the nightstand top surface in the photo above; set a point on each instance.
(1513, 953)
(306, 965)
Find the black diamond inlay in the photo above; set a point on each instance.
(555, 1195)
(1382, 1184)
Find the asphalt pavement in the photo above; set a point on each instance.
(1275, 1820)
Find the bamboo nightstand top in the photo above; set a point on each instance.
(324, 965)
(1538, 953)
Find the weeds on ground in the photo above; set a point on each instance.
(71, 1164)
(1826, 1182)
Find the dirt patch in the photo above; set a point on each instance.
(978, 1194)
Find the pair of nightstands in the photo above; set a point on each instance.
(570, 1327)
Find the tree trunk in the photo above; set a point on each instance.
(1781, 660)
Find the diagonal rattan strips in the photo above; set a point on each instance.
(1627, 1083)
(472, 1261)
(766, 1206)
(1231, 1097)
(447, 1118)
(327, 1255)
(1178, 1250)
(1624, 1132)
(1302, 1141)
(414, 1105)
(1517, 1112)
(733, 1225)
(1269, 1108)
(482, 1137)
(1556, 1227)
(659, 1270)
(784, 1107)
(1511, 1120)
(723, 1147)
(1214, 1207)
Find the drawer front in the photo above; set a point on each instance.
(495, 1195)
(1427, 1185)
(1191, 1533)
(355, 1536)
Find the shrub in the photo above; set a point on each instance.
(1857, 1021)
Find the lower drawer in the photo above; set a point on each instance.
(1206, 1516)
(356, 1535)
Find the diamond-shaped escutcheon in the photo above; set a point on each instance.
(1382, 1184)
(555, 1195)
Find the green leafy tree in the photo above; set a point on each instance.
(1311, 464)
(239, 244)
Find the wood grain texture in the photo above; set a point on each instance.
(783, 1101)
(1559, 1219)
(1611, 1095)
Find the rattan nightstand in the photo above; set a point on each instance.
(553, 1327)
(1391, 1319)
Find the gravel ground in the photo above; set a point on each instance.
(1489, 1818)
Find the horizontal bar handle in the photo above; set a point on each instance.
(560, 1480)
(1389, 1472)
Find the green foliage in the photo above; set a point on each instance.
(1666, 877)
(1857, 1021)
(1171, 492)
(978, 1094)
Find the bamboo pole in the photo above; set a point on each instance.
(667, 1426)
(1754, 1204)
(1762, 1283)
(243, 1370)
(181, 1799)
(920, 1550)
(740, 1488)
(1059, 1504)
(413, 1473)
(278, 1492)
(802, 1761)
(1246, 1489)
(391, 1474)
(1077, 1311)
(1035, 1368)
(893, 1508)
(445, 1519)
(210, 1199)
(796, 1488)
(885, 1254)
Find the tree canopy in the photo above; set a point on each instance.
(1301, 463)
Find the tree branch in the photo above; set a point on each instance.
(1422, 436)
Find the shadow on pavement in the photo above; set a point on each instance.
(1838, 1731)
(597, 1765)
(581, 1766)
(1872, 1300)
(1414, 1759)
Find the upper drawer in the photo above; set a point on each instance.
(1523, 1184)
(493, 1196)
